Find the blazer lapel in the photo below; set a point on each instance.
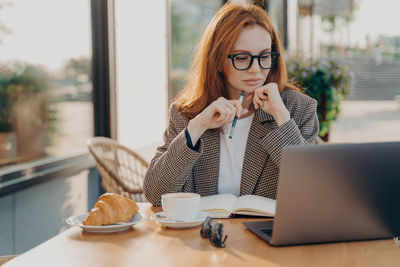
(207, 171)
(255, 155)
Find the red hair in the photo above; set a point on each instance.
(206, 82)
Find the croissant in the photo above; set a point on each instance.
(111, 208)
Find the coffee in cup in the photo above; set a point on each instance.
(181, 206)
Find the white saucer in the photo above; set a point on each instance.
(160, 218)
(77, 221)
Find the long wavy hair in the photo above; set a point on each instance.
(205, 80)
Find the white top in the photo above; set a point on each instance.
(232, 155)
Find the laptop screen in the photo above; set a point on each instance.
(338, 192)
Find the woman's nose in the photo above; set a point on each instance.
(255, 67)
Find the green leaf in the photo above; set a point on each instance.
(324, 80)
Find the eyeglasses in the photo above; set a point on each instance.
(214, 233)
(243, 61)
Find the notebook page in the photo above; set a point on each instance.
(253, 204)
(219, 206)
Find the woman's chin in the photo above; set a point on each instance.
(250, 89)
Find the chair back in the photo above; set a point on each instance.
(4, 259)
(122, 170)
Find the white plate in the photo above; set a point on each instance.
(77, 221)
(160, 218)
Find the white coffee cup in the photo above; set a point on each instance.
(181, 206)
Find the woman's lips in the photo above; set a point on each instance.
(252, 81)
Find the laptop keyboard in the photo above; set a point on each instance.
(267, 231)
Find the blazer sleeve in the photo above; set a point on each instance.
(291, 133)
(171, 167)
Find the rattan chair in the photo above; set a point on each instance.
(4, 259)
(121, 169)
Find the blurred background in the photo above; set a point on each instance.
(70, 70)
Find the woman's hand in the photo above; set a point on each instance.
(269, 99)
(219, 113)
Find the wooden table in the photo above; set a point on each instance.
(148, 244)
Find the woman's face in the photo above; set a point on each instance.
(253, 40)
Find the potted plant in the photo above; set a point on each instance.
(25, 112)
(324, 80)
(8, 138)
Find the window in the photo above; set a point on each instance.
(188, 19)
(45, 79)
(370, 111)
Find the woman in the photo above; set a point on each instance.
(239, 51)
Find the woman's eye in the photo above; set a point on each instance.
(242, 58)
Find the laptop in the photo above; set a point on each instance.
(335, 192)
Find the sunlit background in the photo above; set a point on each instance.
(46, 83)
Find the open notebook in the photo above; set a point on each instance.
(224, 205)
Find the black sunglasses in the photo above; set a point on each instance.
(214, 233)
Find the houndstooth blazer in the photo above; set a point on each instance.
(177, 168)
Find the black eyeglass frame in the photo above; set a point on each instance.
(273, 60)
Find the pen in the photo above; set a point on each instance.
(235, 119)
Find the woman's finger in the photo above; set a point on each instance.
(220, 120)
(260, 102)
(264, 96)
(227, 112)
(255, 103)
(234, 102)
(256, 100)
(238, 109)
(259, 105)
(233, 110)
(219, 112)
(260, 93)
